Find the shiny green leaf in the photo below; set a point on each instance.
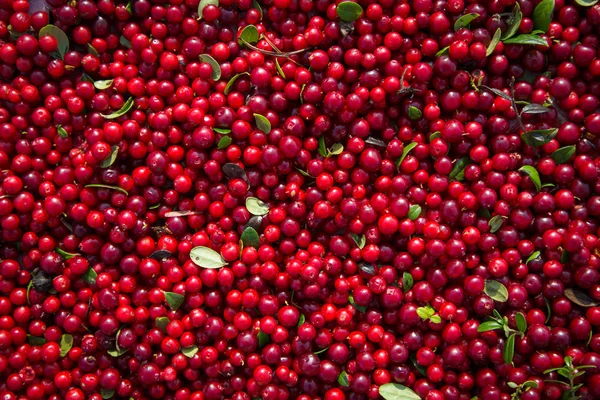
(65, 254)
(224, 142)
(489, 326)
(360, 240)
(174, 300)
(262, 123)
(509, 349)
(514, 21)
(563, 154)
(205, 257)
(214, 65)
(407, 281)
(533, 256)
(59, 35)
(533, 175)
(348, 11)
(521, 322)
(66, 343)
(343, 379)
(190, 352)
(496, 291)
(539, 137)
(465, 20)
(542, 15)
(250, 237)
(527, 39)
(492, 46)
(62, 132)
(414, 212)
(110, 160)
(496, 222)
(414, 113)
(122, 111)
(248, 35)
(405, 152)
(203, 4)
(256, 206)
(90, 276)
(459, 168)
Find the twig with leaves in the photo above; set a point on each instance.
(500, 322)
(570, 373)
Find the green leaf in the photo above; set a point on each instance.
(257, 6)
(214, 65)
(65, 254)
(436, 319)
(512, 385)
(362, 309)
(62, 132)
(492, 46)
(521, 322)
(586, 3)
(128, 8)
(396, 391)
(263, 339)
(35, 340)
(496, 222)
(203, 4)
(301, 320)
(530, 384)
(125, 42)
(435, 135)
(509, 349)
(224, 142)
(174, 300)
(161, 323)
(533, 175)
(322, 149)
(533, 108)
(256, 206)
(190, 352)
(533, 256)
(110, 160)
(414, 212)
(514, 21)
(414, 113)
(496, 291)
(349, 11)
(527, 39)
(29, 286)
(206, 257)
(66, 343)
(92, 50)
(539, 137)
(248, 35)
(222, 131)
(343, 379)
(405, 152)
(465, 20)
(262, 123)
(250, 237)
(101, 186)
(563, 154)
(580, 298)
(102, 85)
(425, 313)
(335, 150)
(489, 326)
(107, 393)
(116, 352)
(459, 168)
(90, 276)
(232, 81)
(59, 35)
(122, 111)
(542, 15)
(360, 240)
(407, 281)
(279, 70)
(443, 51)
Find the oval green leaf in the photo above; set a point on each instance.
(105, 84)
(110, 160)
(101, 186)
(396, 391)
(465, 20)
(203, 4)
(161, 323)
(263, 339)
(488, 326)
(496, 291)
(62, 132)
(174, 300)
(232, 81)
(35, 340)
(107, 393)
(509, 349)
(533, 256)
(190, 352)
(248, 35)
(224, 142)
(459, 168)
(206, 257)
(542, 15)
(250, 237)
(521, 322)
(527, 39)
(59, 35)
(214, 65)
(533, 175)
(125, 42)
(539, 137)
(122, 111)
(514, 21)
(360, 240)
(256, 206)
(222, 131)
(586, 3)
(262, 123)
(414, 212)
(492, 46)
(407, 281)
(336, 149)
(563, 154)
(66, 343)
(349, 11)
(343, 379)
(90, 276)
(405, 152)
(414, 113)
(496, 222)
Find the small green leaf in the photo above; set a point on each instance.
(465, 20)
(263, 339)
(102, 85)
(396, 391)
(66, 343)
(234, 78)
(161, 323)
(563, 154)
(533, 175)
(322, 149)
(190, 352)
(174, 300)
(62, 132)
(533, 256)
(414, 212)
(527, 39)
(128, 8)
(407, 281)
(29, 286)
(533, 108)
(101, 186)
(257, 6)
(90, 276)
(224, 142)
(586, 3)
(343, 379)
(496, 291)
(222, 131)
(496, 222)
(542, 15)
(116, 352)
(425, 312)
(435, 135)
(65, 254)
(203, 4)
(514, 21)
(360, 240)
(512, 385)
(279, 70)
(250, 237)
(262, 123)
(107, 393)
(492, 46)
(414, 113)
(459, 167)
(349, 11)
(489, 326)
(248, 35)
(436, 319)
(214, 65)
(205, 257)
(443, 51)
(336, 149)
(59, 35)
(301, 320)
(509, 349)
(256, 206)
(122, 111)
(530, 384)
(539, 137)
(35, 340)
(125, 42)
(110, 160)
(92, 50)
(521, 322)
